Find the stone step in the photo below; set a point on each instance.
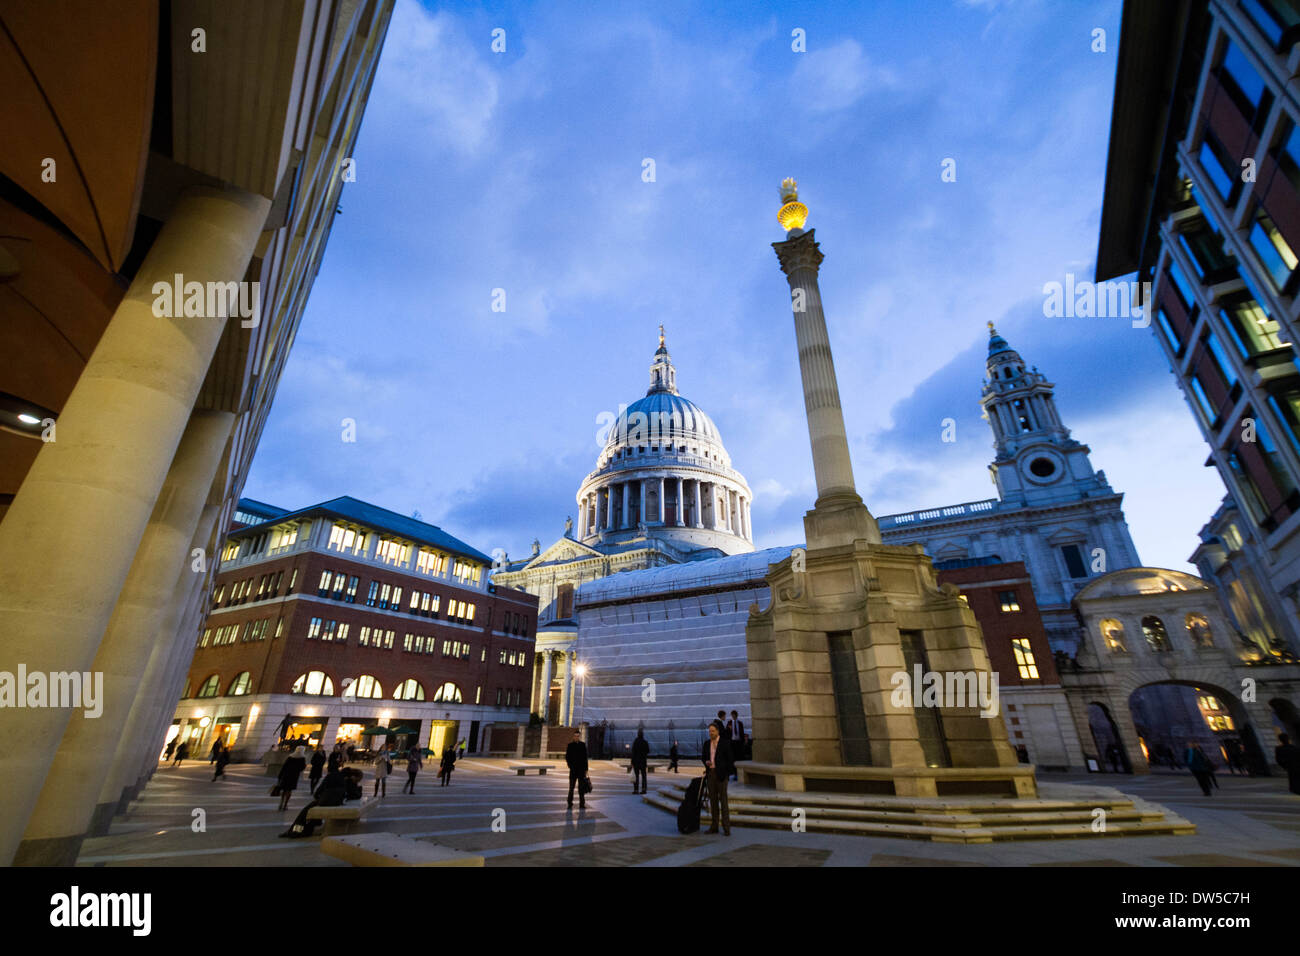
(898, 817)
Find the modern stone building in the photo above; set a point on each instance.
(342, 616)
(1053, 512)
(1202, 201)
(169, 181)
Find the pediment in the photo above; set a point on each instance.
(562, 552)
(1066, 535)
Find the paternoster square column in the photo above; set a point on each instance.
(838, 517)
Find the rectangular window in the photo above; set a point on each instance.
(1276, 19)
(396, 602)
(408, 641)
(340, 582)
(1024, 658)
(415, 601)
(1181, 286)
(384, 592)
(203, 641)
(388, 639)
(1008, 601)
(1162, 320)
(483, 656)
(313, 631)
(364, 637)
(503, 657)
(1203, 404)
(1216, 163)
(293, 579)
(374, 591)
(1074, 561)
(1221, 360)
(327, 633)
(499, 696)
(352, 589)
(1242, 81)
(1252, 331)
(478, 694)
(323, 588)
(1275, 253)
(342, 634)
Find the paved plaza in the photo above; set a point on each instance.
(1248, 822)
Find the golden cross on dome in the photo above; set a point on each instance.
(992, 331)
(661, 335)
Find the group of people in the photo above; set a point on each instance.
(322, 765)
(180, 748)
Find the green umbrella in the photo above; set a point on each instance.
(401, 729)
(375, 731)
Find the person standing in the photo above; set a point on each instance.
(413, 766)
(447, 766)
(223, 758)
(672, 755)
(335, 759)
(290, 771)
(737, 740)
(718, 765)
(724, 726)
(382, 767)
(317, 768)
(640, 756)
(1200, 766)
(575, 755)
(461, 749)
(1287, 756)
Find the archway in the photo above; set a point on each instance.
(1105, 736)
(1171, 715)
(1285, 713)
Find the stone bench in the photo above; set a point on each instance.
(342, 819)
(523, 768)
(391, 849)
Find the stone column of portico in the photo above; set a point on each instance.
(68, 539)
(641, 485)
(545, 708)
(841, 517)
(663, 511)
(680, 513)
(627, 502)
(566, 688)
(699, 511)
(573, 693)
(582, 517)
(533, 687)
(68, 800)
(609, 507)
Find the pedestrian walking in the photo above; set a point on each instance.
(575, 755)
(317, 768)
(182, 752)
(1287, 756)
(718, 765)
(382, 769)
(216, 749)
(413, 766)
(640, 756)
(447, 766)
(1201, 768)
(737, 741)
(223, 758)
(672, 756)
(290, 771)
(171, 746)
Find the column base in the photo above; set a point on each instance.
(838, 520)
(101, 819)
(49, 851)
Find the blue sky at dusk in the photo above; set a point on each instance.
(522, 171)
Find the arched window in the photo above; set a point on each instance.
(1156, 636)
(448, 693)
(313, 682)
(1198, 629)
(409, 689)
(209, 687)
(365, 686)
(1112, 632)
(239, 686)
(186, 692)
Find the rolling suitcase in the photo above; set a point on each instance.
(688, 814)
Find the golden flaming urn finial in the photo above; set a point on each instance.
(793, 213)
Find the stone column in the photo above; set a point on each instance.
(136, 752)
(663, 511)
(544, 709)
(680, 513)
(64, 811)
(532, 694)
(749, 530)
(627, 501)
(838, 517)
(573, 691)
(68, 539)
(641, 485)
(699, 511)
(566, 687)
(609, 507)
(582, 517)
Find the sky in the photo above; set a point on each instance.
(525, 171)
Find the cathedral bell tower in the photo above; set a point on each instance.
(1037, 461)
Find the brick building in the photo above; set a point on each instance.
(342, 616)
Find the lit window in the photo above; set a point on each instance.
(365, 686)
(448, 693)
(313, 682)
(409, 689)
(239, 686)
(1274, 252)
(209, 687)
(1112, 632)
(313, 629)
(1198, 629)
(1154, 630)
(1024, 658)
(1008, 602)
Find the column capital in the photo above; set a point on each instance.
(799, 253)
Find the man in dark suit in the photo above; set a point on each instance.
(724, 725)
(640, 758)
(737, 739)
(575, 755)
(718, 767)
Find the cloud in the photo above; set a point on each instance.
(836, 77)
